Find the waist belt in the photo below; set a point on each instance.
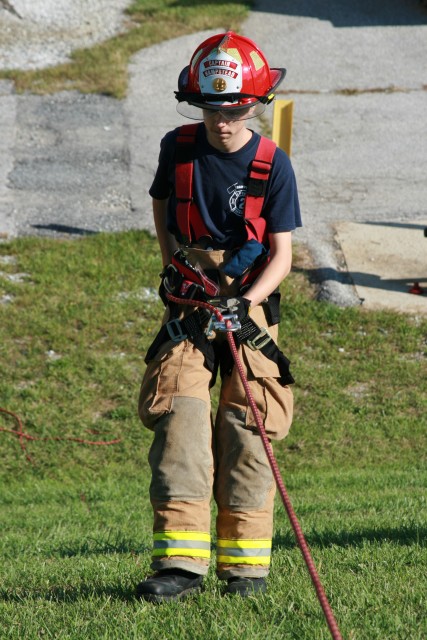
(192, 328)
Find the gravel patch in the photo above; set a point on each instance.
(42, 33)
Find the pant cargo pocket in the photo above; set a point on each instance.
(177, 370)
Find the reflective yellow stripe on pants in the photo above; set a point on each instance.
(182, 543)
(243, 551)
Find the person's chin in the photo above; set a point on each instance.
(222, 134)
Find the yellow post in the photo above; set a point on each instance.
(282, 124)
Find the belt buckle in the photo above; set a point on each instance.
(260, 340)
(175, 331)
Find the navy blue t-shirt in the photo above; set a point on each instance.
(219, 186)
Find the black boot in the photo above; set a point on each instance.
(245, 587)
(170, 584)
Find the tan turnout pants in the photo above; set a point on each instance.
(193, 456)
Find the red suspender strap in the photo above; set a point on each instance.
(257, 185)
(188, 218)
(184, 178)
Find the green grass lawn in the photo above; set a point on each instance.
(75, 521)
(76, 318)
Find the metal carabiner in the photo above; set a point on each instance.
(229, 322)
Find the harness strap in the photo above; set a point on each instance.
(188, 217)
(260, 340)
(257, 186)
(189, 328)
(184, 177)
(192, 328)
(194, 274)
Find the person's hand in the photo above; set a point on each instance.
(227, 305)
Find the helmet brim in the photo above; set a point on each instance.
(277, 76)
(198, 111)
(191, 105)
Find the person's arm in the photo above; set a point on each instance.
(166, 240)
(276, 270)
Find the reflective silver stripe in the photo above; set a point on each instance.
(181, 544)
(245, 552)
(232, 551)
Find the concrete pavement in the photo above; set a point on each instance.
(357, 73)
(73, 165)
(385, 260)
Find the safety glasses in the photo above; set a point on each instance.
(229, 114)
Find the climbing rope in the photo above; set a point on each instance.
(23, 437)
(324, 603)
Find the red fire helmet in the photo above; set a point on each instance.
(227, 72)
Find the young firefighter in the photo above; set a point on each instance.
(225, 203)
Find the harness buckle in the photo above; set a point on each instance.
(257, 187)
(190, 290)
(175, 331)
(260, 340)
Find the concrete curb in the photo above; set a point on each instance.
(7, 137)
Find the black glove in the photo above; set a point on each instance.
(228, 305)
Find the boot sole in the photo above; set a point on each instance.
(246, 591)
(158, 599)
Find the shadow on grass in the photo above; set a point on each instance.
(405, 536)
(69, 594)
(91, 546)
(66, 229)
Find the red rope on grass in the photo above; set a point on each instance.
(302, 543)
(22, 436)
